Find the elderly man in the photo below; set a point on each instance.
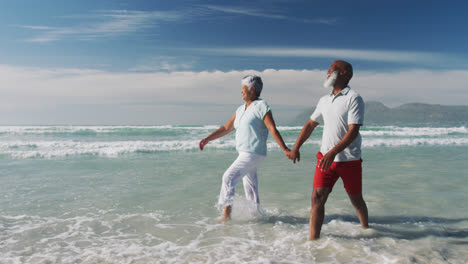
(340, 152)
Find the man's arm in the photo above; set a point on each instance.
(349, 137)
(270, 124)
(303, 136)
(220, 132)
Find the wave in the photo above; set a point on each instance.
(414, 142)
(112, 141)
(53, 149)
(129, 130)
(413, 131)
(108, 236)
(95, 130)
(286, 128)
(66, 148)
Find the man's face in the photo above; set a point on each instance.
(332, 76)
(334, 67)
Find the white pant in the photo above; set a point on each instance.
(245, 166)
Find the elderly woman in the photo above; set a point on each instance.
(252, 122)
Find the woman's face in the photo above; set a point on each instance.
(247, 94)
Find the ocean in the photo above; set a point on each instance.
(146, 194)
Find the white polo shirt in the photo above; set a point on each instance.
(339, 111)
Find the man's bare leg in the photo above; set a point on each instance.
(317, 212)
(361, 209)
(227, 214)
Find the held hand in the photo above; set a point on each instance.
(327, 160)
(295, 155)
(203, 143)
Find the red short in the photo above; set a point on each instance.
(349, 171)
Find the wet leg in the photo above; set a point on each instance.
(317, 212)
(361, 209)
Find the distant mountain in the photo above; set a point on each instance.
(412, 114)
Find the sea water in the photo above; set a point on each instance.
(146, 194)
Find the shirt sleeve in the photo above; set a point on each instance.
(262, 109)
(356, 111)
(317, 113)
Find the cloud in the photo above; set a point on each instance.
(351, 54)
(87, 96)
(104, 24)
(251, 11)
(163, 63)
(244, 11)
(36, 27)
(302, 88)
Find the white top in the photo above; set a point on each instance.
(251, 132)
(339, 111)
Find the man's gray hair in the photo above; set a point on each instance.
(253, 81)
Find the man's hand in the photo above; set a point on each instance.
(203, 143)
(327, 160)
(294, 155)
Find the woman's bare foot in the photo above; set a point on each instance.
(227, 214)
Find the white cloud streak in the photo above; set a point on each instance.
(105, 24)
(244, 11)
(162, 63)
(260, 13)
(367, 55)
(36, 27)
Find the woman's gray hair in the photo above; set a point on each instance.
(253, 81)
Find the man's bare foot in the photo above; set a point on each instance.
(227, 214)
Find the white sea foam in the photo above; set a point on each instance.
(60, 141)
(286, 128)
(366, 131)
(24, 130)
(413, 131)
(58, 149)
(138, 238)
(51, 149)
(372, 142)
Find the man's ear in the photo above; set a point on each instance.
(346, 74)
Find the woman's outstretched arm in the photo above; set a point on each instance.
(220, 132)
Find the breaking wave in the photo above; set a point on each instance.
(112, 141)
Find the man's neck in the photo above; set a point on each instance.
(338, 89)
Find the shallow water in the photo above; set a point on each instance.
(147, 195)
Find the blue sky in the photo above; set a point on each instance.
(122, 43)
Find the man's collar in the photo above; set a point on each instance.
(345, 91)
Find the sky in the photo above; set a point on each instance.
(180, 62)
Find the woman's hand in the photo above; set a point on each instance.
(295, 155)
(220, 132)
(287, 152)
(203, 143)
